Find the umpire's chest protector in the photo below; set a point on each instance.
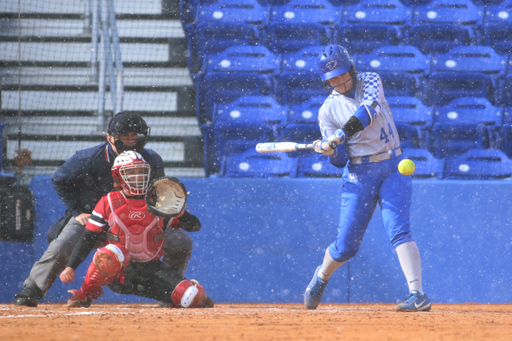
(134, 228)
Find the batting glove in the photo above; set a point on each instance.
(317, 146)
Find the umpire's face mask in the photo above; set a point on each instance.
(130, 141)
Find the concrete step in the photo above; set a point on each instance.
(56, 152)
(86, 101)
(78, 7)
(81, 76)
(81, 52)
(87, 126)
(10, 27)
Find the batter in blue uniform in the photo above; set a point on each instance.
(357, 117)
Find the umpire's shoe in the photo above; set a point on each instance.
(414, 302)
(28, 296)
(315, 291)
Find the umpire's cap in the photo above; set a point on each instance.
(123, 123)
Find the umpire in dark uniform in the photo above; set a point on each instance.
(80, 183)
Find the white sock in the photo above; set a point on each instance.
(328, 266)
(410, 261)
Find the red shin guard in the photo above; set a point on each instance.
(106, 266)
(189, 294)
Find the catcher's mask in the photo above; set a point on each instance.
(132, 172)
(333, 61)
(124, 123)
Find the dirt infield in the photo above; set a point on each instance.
(255, 322)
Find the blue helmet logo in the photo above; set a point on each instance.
(331, 65)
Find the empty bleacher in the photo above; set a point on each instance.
(49, 96)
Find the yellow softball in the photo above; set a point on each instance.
(406, 167)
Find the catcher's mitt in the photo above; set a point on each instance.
(166, 197)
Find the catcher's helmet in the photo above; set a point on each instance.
(123, 123)
(333, 61)
(132, 172)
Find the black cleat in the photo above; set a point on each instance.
(165, 304)
(28, 296)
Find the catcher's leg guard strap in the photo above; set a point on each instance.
(188, 294)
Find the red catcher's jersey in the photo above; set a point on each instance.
(131, 226)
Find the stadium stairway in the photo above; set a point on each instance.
(57, 112)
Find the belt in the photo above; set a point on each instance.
(376, 157)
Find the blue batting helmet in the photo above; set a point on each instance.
(333, 61)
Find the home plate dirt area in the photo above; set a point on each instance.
(262, 321)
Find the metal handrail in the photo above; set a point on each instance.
(109, 55)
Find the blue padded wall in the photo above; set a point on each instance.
(262, 239)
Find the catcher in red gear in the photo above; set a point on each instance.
(133, 221)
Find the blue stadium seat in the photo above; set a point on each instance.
(251, 164)
(344, 2)
(497, 28)
(412, 3)
(296, 87)
(486, 2)
(505, 91)
(470, 59)
(462, 125)
(498, 36)
(188, 10)
(301, 23)
(223, 24)
(486, 164)
(317, 166)
(400, 83)
(305, 59)
(505, 135)
(299, 79)
(438, 38)
(443, 87)
(274, 2)
(443, 24)
(412, 120)
(241, 125)
(302, 124)
(427, 166)
(371, 24)
(395, 58)
(389, 12)
(459, 12)
(498, 12)
(469, 109)
(364, 38)
(236, 72)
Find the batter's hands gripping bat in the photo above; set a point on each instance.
(166, 197)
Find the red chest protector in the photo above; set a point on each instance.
(134, 229)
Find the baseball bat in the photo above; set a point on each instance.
(276, 147)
